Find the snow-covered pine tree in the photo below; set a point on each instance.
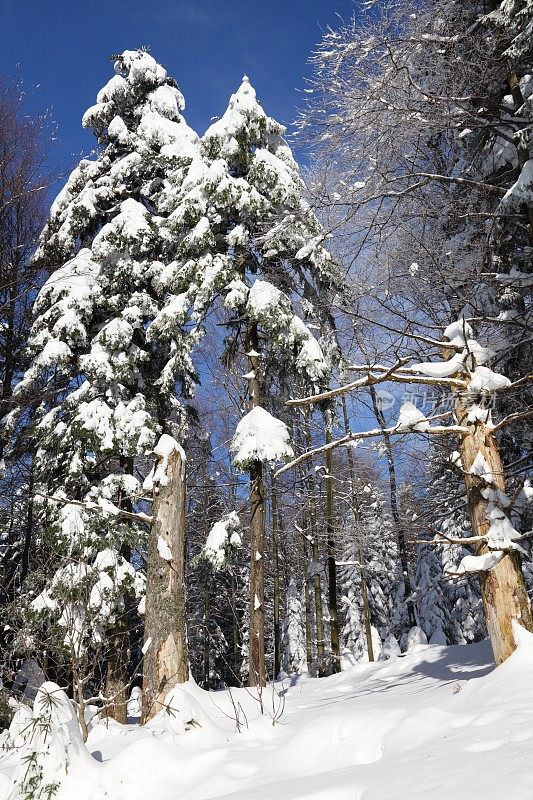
(108, 382)
(249, 242)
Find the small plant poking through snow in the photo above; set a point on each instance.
(50, 742)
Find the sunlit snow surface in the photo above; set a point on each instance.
(438, 723)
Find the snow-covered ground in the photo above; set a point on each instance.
(439, 722)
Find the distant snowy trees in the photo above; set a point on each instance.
(25, 144)
(421, 122)
(369, 554)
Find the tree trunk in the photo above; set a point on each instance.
(308, 626)
(207, 641)
(400, 532)
(275, 556)
(317, 580)
(165, 637)
(77, 692)
(503, 588)
(257, 670)
(359, 536)
(236, 631)
(117, 670)
(319, 613)
(332, 564)
(118, 656)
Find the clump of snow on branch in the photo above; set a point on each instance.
(480, 563)
(469, 361)
(501, 535)
(481, 468)
(270, 307)
(100, 589)
(223, 538)
(260, 437)
(411, 418)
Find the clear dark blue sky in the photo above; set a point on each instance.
(63, 47)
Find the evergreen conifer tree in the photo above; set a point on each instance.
(249, 245)
(96, 360)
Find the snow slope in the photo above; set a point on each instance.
(439, 722)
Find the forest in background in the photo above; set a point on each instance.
(257, 421)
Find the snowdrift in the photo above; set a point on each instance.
(438, 722)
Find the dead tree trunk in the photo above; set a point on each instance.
(257, 670)
(503, 588)
(116, 685)
(165, 638)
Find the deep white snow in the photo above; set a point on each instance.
(439, 722)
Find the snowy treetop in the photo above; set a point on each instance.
(244, 113)
(137, 117)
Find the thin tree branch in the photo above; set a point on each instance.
(90, 506)
(352, 437)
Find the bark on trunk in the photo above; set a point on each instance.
(77, 688)
(236, 638)
(503, 588)
(28, 532)
(165, 660)
(317, 580)
(275, 556)
(257, 670)
(257, 675)
(308, 614)
(117, 671)
(117, 678)
(207, 641)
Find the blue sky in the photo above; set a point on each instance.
(63, 47)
